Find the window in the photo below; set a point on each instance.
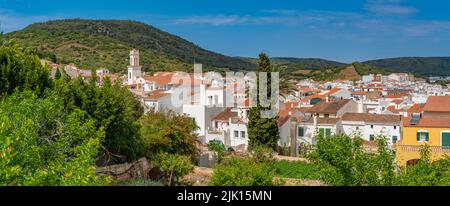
(394, 139)
(445, 139)
(301, 132)
(327, 115)
(371, 126)
(423, 136)
(236, 134)
(322, 132)
(325, 132)
(372, 137)
(395, 127)
(243, 134)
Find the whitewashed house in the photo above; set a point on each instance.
(370, 126)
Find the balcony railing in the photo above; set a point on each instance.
(414, 148)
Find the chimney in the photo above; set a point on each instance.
(315, 119)
(293, 137)
(203, 94)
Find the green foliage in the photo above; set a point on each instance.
(58, 74)
(365, 69)
(219, 147)
(297, 170)
(21, 70)
(173, 166)
(140, 183)
(263, 131)
(418, 65)
(237, 171)
(112, 107)
(425, 172)
(169, 133)
(40, 144)
(343, 161)
(106, 43)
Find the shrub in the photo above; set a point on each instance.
(219, 147)
(243, 172)
(173, 166)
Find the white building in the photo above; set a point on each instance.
(370, 126)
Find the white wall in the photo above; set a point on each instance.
(365, 130)
(235, 141)
(310, 132)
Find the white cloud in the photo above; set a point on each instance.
(389, 7)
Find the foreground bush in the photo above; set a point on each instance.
(173, 166)
(41, 144)
(243, 172)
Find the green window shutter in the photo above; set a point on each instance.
(328, 132)
(427, 137)
(322, 132)
(446, 139)
(418, 136)
(301, 132)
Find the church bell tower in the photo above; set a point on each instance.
(134, 70)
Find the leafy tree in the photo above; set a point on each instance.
(113, 108)
(237, 171)
(344, 161)
(40, 144)
(173, 166)
(262, 131)
(21, 70)
(219, 147)
(169, 133)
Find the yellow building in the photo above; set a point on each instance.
(431, 127)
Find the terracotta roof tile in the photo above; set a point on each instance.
(440, 122)
(437, 104)
(372, 118)
(225, 115)
(329, 107)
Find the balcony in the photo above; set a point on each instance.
(415, 148)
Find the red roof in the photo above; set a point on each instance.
(416, 108)
(397, 95)
(440, 122)
(437, 104)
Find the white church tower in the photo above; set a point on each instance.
(134, 70)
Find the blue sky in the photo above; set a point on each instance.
(342, 30)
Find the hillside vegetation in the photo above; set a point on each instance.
(106, 43)
(419, 65)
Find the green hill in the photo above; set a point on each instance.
(106, 43)
(292, 64)
(418, 65)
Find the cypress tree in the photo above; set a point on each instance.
(262, 131)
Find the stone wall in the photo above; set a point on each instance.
(138, 169)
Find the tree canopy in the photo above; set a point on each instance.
(43, 145)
